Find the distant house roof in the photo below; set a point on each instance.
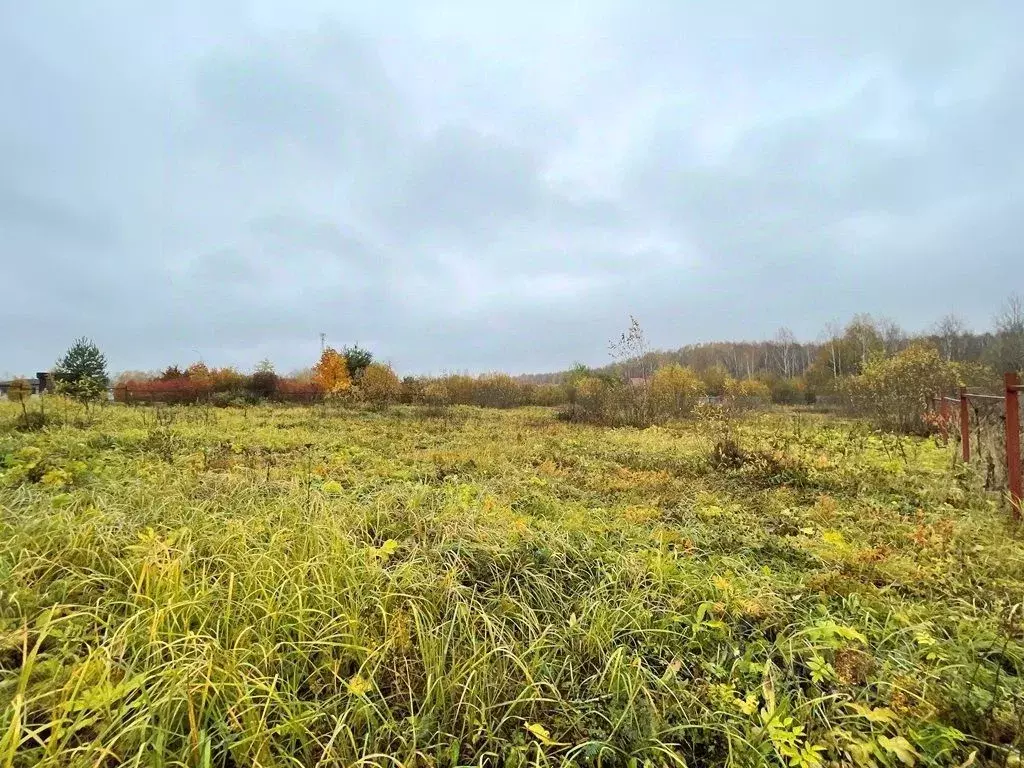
(39, 381)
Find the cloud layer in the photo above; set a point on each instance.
(461, 187)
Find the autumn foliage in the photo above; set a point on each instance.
(489, 390)
(895, 391)
(331, 374)
(675, 390)
(220, 386)
(379, 384)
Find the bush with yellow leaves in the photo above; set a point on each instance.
(675, 390)
(379, 384)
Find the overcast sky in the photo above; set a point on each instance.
(482, 186)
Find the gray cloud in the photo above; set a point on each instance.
(471, 187)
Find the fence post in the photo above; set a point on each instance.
(965, 427)
(944, 419)
(1013, 441)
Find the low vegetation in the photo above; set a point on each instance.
(442, 585)
(871, 368)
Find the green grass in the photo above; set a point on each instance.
(310, 587)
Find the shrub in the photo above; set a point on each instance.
(379, 384)
(434, 398)
(629, 403)
(752, 389)
(977, 375)
(220, 386)
(498, 390)
(263, 382)
(85, 390)
(198, 372)
(237, 398)
(895, 392)
(592, 394)
(195, 384)
(296, 390)
(748, 393)
(412, 390)
(181, 390)
(786, 391)
(460, 388)
(717, 380)
(226, 380)
(603, 399)
(489, 390)
(30, 421)
(726, 453)
(675, 390)
(589, 399)
(549, 394)
(435, 394)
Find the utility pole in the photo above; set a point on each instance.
(323, 339)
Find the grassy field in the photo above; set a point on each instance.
(310, 587)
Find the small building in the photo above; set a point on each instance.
(43, 382)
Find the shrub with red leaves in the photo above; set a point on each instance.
(298, 391)
(176, 390)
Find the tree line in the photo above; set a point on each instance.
(802, 371)
(870, 364)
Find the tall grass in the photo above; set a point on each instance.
(317, 587)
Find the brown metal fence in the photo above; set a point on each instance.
(988, 428)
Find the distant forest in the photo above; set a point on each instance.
(842, 351)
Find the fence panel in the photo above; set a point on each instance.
(988, 428)
(1013, 442)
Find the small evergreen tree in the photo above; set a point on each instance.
(172, 373)
(82, 361)
(82, 371)
(357, 359)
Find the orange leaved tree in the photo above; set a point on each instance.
(331, 373)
